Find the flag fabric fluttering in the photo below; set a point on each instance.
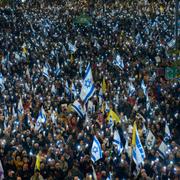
(112, 115)
(45, 72)
(144, 87)
(73, 90)
(78, 108)
(117, 142)
(72, 48)
(38, 162)
(41, 119)
(1, 171)
(138, 153)
(53, 90)
(150, 140)
(131, 89)
(167, 133)
(104, 86)
(163, 149)
(88, 87)
(20, 108)
(118, 61)
(1, 83)
(96, 151)
(67, 89)
(58, 69)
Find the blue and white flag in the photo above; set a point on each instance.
(42, 116)
(118, 62)
(138, 39)
(73, 90)
(88, 87)
(96, 151)
(150, 140)
(131, 88)
(138, 153)
(107, 109)
(144, 88)
(67, 89)
(167, 133)
(2, 88)
(58, 70)
(45, 72)
(41, 119)
(147, 102)
(163, 148)
(117, 142)
(14, 114)
(53, 90)
(110, 124)
(78, 108)
(20, 108)
(72, 48)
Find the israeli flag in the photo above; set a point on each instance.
(58, 70)
(20, 108)
(138, 153)
(96, 151)
(107, 109)
(117, 142)
(163, 149)
(14, 114)
(147, 102)
(138, 39)
(144, 88)
(78, 108)
(150, 140)
(2, 82)
(88, 87)
(167, 133)
(67, 89)
(110, 124)
(73, 90)
(53, 90)
(131, 89)
(45, 72)
(118, 62)
(42, 116)
(72, 48)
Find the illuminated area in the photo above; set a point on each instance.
(89, 89)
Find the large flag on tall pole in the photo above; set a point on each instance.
(96, 151)
(88, 87)
(138, 153)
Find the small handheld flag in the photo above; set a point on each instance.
(96, 151)
(117, 142)
(88, 87)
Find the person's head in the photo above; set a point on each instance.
(25, 167)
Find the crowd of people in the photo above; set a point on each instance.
(38, 38)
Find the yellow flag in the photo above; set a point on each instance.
(104, 86)
(38, 161)
(161, 9)
(112, 115)
(134, 134)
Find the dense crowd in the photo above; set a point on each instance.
(34, 37)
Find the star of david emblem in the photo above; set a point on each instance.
(88, 83)
(95, 149)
